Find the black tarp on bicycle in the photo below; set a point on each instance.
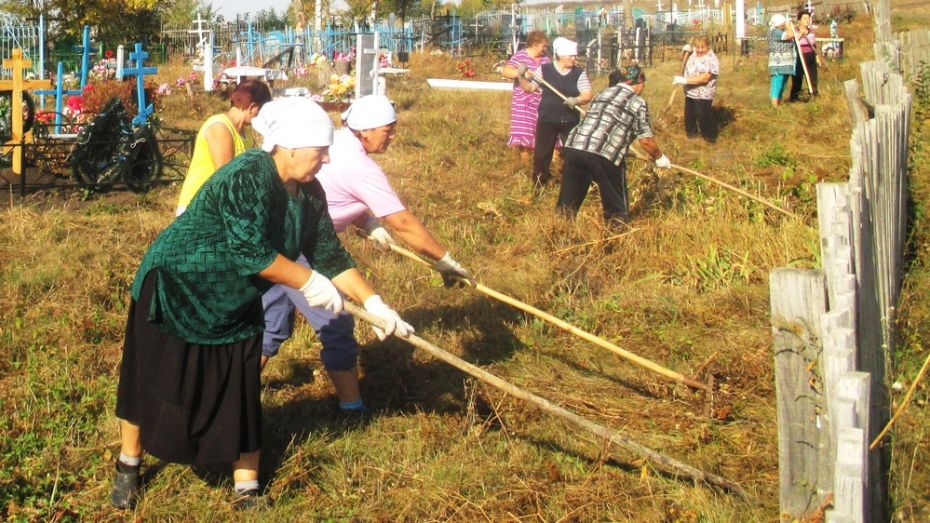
(110, 151)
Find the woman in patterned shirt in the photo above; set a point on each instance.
(782, 56)
(700, 83)
(189, 388)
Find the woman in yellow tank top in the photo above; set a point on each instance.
(220, 138)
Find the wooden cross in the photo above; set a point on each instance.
(140, 71)
(17, 85)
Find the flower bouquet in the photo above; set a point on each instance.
(338, 93)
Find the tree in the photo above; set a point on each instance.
(117, 21)
(403, 8)
(270, 19)
(358, 10)
(182, 13)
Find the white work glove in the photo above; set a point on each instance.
(663, 162)
(378, 234)
(451, 271)
(571, 101)
(320, 292)
(679, 80)
(392, 322)
(687, 49)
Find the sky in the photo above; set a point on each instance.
(229, 8)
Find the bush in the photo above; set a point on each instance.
(96, 96)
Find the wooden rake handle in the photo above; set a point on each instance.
(539, 77)
(639, 360)
(662, 462)
(807, 75)
(639, 155)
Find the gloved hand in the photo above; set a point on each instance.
(571, 101)
(378, 234)
(521, 70)
(663, 162)
(528, 86)
(320, 292)
(679, 80)
(451, 270)
(392, 322)
(687, 49)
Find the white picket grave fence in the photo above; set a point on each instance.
(834, 328)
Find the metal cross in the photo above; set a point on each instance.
(138, 56)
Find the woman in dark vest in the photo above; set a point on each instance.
(557, 116)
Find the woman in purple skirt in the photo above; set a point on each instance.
(526, 94)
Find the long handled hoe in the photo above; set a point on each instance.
(564, 325)
(807, 76)
(662, 462)
(692, 172)
(684, 62)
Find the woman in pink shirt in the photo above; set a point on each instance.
(524, 103)
(808, 44)
(357, 193)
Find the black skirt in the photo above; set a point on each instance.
(193, 403)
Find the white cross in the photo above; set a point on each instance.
(200, 31)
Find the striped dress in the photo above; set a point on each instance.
(524, 105)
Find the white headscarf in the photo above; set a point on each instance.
(369, 112)
(777, 20)
(293, 122)
(564, 47)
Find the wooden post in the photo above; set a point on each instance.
(798, 300)
(850, 409)
(858, 112)
(833, 221)
(17, 85)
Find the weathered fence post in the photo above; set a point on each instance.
(850, 407)
(798, 299)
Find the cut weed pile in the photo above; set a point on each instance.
(685, 286)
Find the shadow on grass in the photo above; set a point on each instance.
(394, 382)
(637, 388)
(724, 116)
(587, 459)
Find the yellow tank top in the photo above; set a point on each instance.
(202, 168)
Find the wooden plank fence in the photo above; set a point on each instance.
(915, 49)
(834, 329)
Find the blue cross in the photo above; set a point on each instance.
(140, 71)
(59, 93)
(85, 55)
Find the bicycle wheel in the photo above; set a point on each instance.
(145, 163)
(99, 155)
(6, 106)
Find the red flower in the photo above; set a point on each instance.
(108, 54)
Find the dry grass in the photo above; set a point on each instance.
(686, 287)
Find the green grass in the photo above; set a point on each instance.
(686, 287)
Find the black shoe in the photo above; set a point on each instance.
(125, 487)
(251, 499)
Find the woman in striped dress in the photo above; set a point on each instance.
(526, 94)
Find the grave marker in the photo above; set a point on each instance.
(17, 64)
(139, 71)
